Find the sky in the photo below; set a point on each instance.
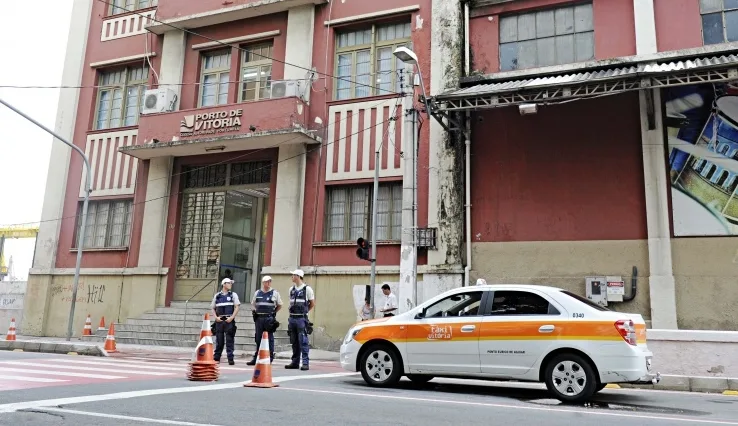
(25, 148)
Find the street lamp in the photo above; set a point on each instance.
(88, 181)
(409, 57)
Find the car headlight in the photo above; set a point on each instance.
(350, 335)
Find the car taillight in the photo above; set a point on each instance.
(627, 331)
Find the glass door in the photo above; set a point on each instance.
(238, 244)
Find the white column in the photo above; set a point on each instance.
(172, 61)
(288, 205)
(156, 208)
(56, 180)
(661, 279)
(408, 253)
(645, 27)
(299, 49)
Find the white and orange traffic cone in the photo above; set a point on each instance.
(11, 330)
(110, 340)
(263, 371)
(88, 327)
(101, 327)
(204, 367)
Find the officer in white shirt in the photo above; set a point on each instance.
(390, 302)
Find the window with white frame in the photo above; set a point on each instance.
(547, 37)
(108, 224)
(719, 21)
(214, 80)
(123, 6)
(348, 212)
(365, 65)
(119, 97)
(256, 72)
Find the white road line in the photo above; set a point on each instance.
(9, 408)
(514, 407)
(119, 364)
(59, 373)
(86, 368)
(116, 416)
(30, 379)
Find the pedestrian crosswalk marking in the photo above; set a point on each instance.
(30, 379)
(58, 373)
(121, 363)
(86, 368)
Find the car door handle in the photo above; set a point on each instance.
(546, 329)
(468, 328)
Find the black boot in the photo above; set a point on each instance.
(292, 366)
(252, 362)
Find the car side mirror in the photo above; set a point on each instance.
(420, 315)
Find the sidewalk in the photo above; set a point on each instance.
(670, 380)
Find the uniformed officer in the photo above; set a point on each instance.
(302, 300)
(225, 307)
(265, 304)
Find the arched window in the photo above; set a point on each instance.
(710, 172)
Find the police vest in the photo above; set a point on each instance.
(265, 303)
(298, 301)
(224, 304)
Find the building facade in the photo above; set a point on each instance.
(562, 140)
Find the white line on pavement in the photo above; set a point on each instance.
(30, 379)
(9, 408)
(86, 368)
(115, 416)
(59, 373)
(513, 407)
(125, 364)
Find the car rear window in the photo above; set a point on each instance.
(584, 300)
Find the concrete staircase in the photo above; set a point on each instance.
(168, 326)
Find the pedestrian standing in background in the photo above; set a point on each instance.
(366, 310)
(302, 300)
(390, 302)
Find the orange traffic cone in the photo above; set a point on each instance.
(88, 327)
(204, 367)
(102, 324)
(263, 370)
(110, 340)
(11, 330)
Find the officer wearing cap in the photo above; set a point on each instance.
(265, 305)
(302, 300)
(225, 307)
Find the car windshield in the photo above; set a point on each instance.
(586, 301)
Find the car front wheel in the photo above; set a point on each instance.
(571, 378)
(381, 366)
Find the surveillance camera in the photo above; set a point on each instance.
(526, 109)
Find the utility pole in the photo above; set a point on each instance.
(84, 213)
(373, 256)
(409, 237)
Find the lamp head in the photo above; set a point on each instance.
(406, 55)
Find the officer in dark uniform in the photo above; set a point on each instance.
(302, 300)
(225, 307)
(265, 305)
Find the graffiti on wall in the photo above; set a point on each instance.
(701, 126)
(90, 294)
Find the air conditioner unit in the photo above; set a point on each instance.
(159, 100)
(285, 88)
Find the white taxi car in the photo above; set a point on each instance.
(504, 332)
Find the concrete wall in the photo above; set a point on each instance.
(694, 353)
(12, 295)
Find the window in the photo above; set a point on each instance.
(123, 6)
(216, 69)
(587, 302)
(547, 37)
(719, 21)
(364, 59)
(521, 303)
(108, 224)
(119, 97)
(256, 72)
(457, 305)
(348, 212)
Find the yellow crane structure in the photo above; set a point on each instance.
(13, 232)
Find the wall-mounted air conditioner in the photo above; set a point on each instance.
(159, 100)
(285, 88)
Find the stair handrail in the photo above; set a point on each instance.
(184, 320)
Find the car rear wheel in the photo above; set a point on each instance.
(381, 366)
(571, 378)
(419, 378)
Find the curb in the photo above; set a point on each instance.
(724, 385)
(51, 348)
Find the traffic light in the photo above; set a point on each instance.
(363, 251)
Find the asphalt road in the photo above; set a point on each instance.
(325, 395)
